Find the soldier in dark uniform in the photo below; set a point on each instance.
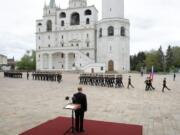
(129, 82)
(80, 98)
(150, 84)
(165, 85)
(27, 75)
(59, 77)
(112, 80)
(117, 84)
(81, 79)
(147, 84)
(121, 81)
(102, 80)
(174, 77)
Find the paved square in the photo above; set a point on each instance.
(25, 104)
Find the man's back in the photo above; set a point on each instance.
(80, 98)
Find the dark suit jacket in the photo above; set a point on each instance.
(80, 98)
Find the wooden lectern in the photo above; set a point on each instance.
(73, 108)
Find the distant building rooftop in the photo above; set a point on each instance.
(3, 55)
(11, 61)
(3, 59)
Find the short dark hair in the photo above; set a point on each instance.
(79, 88)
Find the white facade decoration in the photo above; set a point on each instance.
(70, 39)
(3, 59)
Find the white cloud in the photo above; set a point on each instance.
(153, 23)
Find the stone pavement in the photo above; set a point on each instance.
(25, 104)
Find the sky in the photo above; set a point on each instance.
(153, 23)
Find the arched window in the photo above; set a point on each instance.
(49, 25)
(123, 31)
(39, 24)
(88, 12)
(87, 54)
(110, 31)
(100, 32)
(62, 15)
(75, 19)
(62, 55)
(87, 21)
(62, 23)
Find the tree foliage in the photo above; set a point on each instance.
(138, 61)
(28, 61)
(169, 58)
(156, 58)
(176, 56)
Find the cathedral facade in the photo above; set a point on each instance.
(73, 39)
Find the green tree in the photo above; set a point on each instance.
(133, 61)
(160, 60)
(176, 57)
(138, 61)
(169, 58)
(28, 61)
(152, 60)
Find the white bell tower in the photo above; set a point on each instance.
(112, 9)
(113, 37)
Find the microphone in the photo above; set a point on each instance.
(67, 98)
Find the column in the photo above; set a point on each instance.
(41, 61)
(50, 61)
(66, 62)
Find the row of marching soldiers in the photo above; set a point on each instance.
(46, 76)
(13, 74)
(101, 80)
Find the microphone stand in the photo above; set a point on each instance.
(72, 128)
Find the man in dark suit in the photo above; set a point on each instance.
(80, 98)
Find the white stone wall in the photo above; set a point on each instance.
(58, 61)
(3, 60)
(96, 68)
(77, 3)
(115, 48)
(93, 18)
(80, 44)
(76, 39)
(112, 9)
